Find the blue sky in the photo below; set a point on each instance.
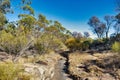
(73, 14)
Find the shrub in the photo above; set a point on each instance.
(78, 44)
(71, 43)
(9, 71)
(47, 42)
(11, 43)
(116, 47)
(85, 45)
(39, 46)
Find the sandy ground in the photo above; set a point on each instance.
(59, 72)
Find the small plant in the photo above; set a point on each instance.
(116, 47)
(9, 71)
(71, 43)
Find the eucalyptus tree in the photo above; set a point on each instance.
(109, 21)
(26, 6)
(3, 21)
(42, 22)
(59, 26)
(117, 25)
(27, 22)
(97, 26)
(11, 27)
(117, 28)
(5, 7)
(86, 34)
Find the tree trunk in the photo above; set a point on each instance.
(106, 35)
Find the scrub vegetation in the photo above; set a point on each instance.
(30, 39)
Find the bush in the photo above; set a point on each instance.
(39, 46)
(71, 44)
(11, 43)
(9, 71)
(78, 44)
(46, 43)
(100, 45)
(85, 45)
(116, 47)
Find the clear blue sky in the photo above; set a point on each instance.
(73, 14)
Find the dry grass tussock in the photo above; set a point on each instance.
(15, 71)
(96, 65)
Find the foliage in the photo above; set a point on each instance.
(117, 28)
(47, 34)
(11, 43)
(97, 26)
(116, 47)
(109, 21)
(71, 43)
(39, 46)
(9, 71)
(3, 20)
(27, 22)
(77, 35)
(85, 45)
(86, 34)
(28, 8)
(5, 6)
(78, 44)
(42, 21)
(47, 42)
(11, 28)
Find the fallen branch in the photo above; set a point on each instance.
(22, 51)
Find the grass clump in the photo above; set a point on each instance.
(25, 76)
(9, 71)
(116, 47)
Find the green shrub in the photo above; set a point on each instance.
(85, 45)
(78, 44)
(39, 46)
(11, 43)
(71, 43)
(9, 71)
(47, 43)
(116, 47)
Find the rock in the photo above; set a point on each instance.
(107, 77)
(118, 73)
(51, 71)
(92, 78)
(29, 70)
(4, 56)
(40, 72)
